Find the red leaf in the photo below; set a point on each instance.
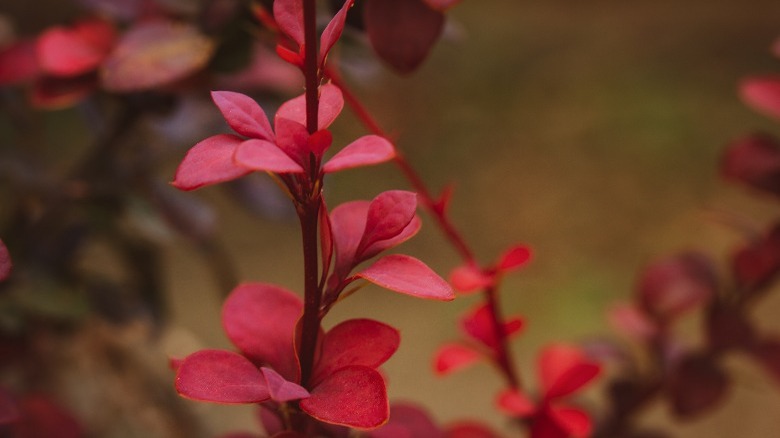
(408, 420)
(677, 284)
(767, 353)
(762, 94)
(402, 32)
(243, 114)
(468, 278)
(209, 162)
(326, 238)
(50, 92)
(388, 215)
(155, 53)
(355, 342)
(544, 426)
(293, 139)
(333, 30)
(454, 357)
(221, 377)
(330, 105)
(757, 264)
(515, 403)
(626, 318)
(289, 16)
(260, 320)
(5, 262)
(18, 63)
(354, 396)
(408, 275)
(347, 221)
(696, 385)
(574, 421)
(754, 161)
(319, 142)
(514, 258)
(382, 245)
(479, 325)
(365, 151)
(469, 429)
(265, 156)
(76, 50)
(564, 369)
(41, 417)
(442, 5)
(280, 389)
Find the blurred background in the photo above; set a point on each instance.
(591, 131)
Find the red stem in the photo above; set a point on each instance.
(503, 358)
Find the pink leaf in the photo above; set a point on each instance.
(762, 94)
(18, 63)
(356, 342)
(330, 106)
(479, 325)
(365, 151)
(289, 16)
(564, 369)
(348, 221)
(454, 357)
(280, 389)
(755, 162)
(333, 30)
(514, 258)
(677, 284)
(221, 377)
(155, 53)
(402, 32)
(515, 403)
(209, 162)
(265, 156)
(77, 50)
(574, 421)
(260, 320)
(388, 215)
(442, 5)
(354, 396)
(243, 114)
(405, 274)
(293, 139)
(468, 278)
(5, 262)
(382, 245)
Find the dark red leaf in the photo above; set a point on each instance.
(289, 16)
(757, 264)
(281, 389)
(407, 275)
(454, 357)
(355, 342)
(402, 32)
(155, 53)
(762, 94)
(18, 63)
(388, 215)
(515, 403)
(5, 262)
(754, 161)
(479, 325)
(767, 354)
(544, 426)
(41, 417)
(243, 114)
(354, 396)
(77, 50)
(696, 385)
(564, 369)
(514, 258)
(50, 92)
(574, 421)
(330, 105)
(265, 156)
(210, 162)
(469, 278)
(728, 328)
(408, 420)
(333, 30)
(365, 151)
(221, 377)
(260, 320)
(672, 286)
(469, 429)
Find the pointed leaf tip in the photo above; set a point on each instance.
(243, 114)
(365, 151)
(281, 389)
(408, 275)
